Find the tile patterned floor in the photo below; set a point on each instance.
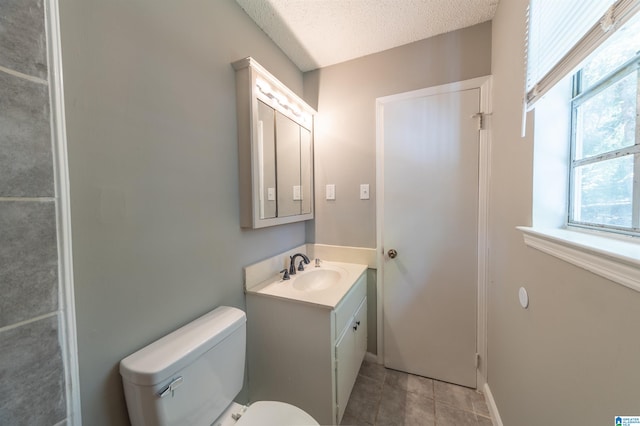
(384, 397)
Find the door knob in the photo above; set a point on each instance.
(392, 253)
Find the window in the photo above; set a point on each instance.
(605, 143)
(586, 142)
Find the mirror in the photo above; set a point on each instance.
(288, 161)
(275, 146)
(306, 159)
(267, 160)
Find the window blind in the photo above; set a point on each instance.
(562, 33)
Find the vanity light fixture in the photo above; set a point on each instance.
(263, 86)
(281, 102)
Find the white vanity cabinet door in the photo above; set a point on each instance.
(361, 335)
(350, 349)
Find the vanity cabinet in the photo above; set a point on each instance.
(305, 354)
(275, 149)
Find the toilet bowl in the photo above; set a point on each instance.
(192, 375)
(265, 413)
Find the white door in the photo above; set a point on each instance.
(430, 218)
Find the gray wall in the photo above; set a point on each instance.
(31, 366)
(152, 144)
(572, 357)
(345, 132)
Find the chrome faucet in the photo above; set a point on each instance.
(292, 264)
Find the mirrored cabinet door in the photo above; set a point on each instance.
(267, 160)
(288, 161)
(275, 149)
(306, 168)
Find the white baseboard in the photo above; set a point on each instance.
(493, 408)
(369, 357)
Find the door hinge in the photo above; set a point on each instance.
(477, 361)
(481, 116)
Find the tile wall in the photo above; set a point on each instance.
(31, 364)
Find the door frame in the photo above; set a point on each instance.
(484, 154)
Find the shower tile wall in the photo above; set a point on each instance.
(31, 366)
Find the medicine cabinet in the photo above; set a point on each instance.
(275, 149)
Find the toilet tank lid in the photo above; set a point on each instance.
(161, 359)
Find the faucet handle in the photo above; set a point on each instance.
(301, 265)
(286, 274)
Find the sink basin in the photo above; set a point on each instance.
(316, 279)
(324, 286)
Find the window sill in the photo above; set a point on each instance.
(613, 258)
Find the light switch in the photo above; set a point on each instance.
(297, 192)
(364, 191)
(330, 192)
(271, 194)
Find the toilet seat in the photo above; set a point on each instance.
(263, 413)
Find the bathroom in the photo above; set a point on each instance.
(153, 214)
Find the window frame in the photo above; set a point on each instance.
(578, 97)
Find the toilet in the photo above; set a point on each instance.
(192, 375)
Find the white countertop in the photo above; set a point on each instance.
(328, 297)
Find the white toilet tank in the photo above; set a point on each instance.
(189, 376)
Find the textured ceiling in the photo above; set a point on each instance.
(318, 33)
